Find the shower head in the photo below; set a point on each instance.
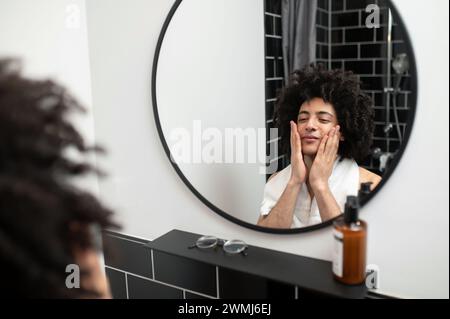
(387, 128)
(401, 66)
(401, 63)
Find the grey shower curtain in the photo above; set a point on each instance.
(298, 18)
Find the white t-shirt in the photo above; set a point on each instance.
(344, 181)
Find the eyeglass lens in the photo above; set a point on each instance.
(234, 246)
(206, 242)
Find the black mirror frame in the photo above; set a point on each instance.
(386, 176)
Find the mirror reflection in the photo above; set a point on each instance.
(330, 131)
(275, 111)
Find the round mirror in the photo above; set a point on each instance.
(229, 76)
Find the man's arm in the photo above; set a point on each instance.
(282, 213)
(328, 207)
(320, 173)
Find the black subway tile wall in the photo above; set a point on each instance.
(345, 19)
(142, 288)
(336, 5)
(117, 283)
(189, 295)
(343, 41)
(183, 272)
(324, 34)
(274, 74)
(130, 268)
(244, 286)
(128, 254)
(352, 46)
(176, 277)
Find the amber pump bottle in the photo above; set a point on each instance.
(350, 237)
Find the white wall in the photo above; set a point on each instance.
(50, 38)
(408, 220)
(211, 72)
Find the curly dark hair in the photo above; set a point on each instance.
(39, 204)
(342, 89)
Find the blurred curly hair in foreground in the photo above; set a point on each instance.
(44, 218)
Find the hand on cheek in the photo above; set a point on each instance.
(322, 167)
(299, 170)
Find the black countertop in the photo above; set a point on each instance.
(304, 272)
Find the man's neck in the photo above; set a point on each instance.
(308, 161)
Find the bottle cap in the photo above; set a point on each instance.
(351, 210)
(365, 188)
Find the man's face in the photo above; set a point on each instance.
(315, 119)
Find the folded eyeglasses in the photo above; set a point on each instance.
(234, 246)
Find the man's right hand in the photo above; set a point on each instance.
(299, 171)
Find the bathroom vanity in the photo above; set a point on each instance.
(167, 268)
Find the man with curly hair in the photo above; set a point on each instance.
(326, 125)
(46, 223)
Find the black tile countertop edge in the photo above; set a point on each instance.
(123, 236)
(304, 272)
